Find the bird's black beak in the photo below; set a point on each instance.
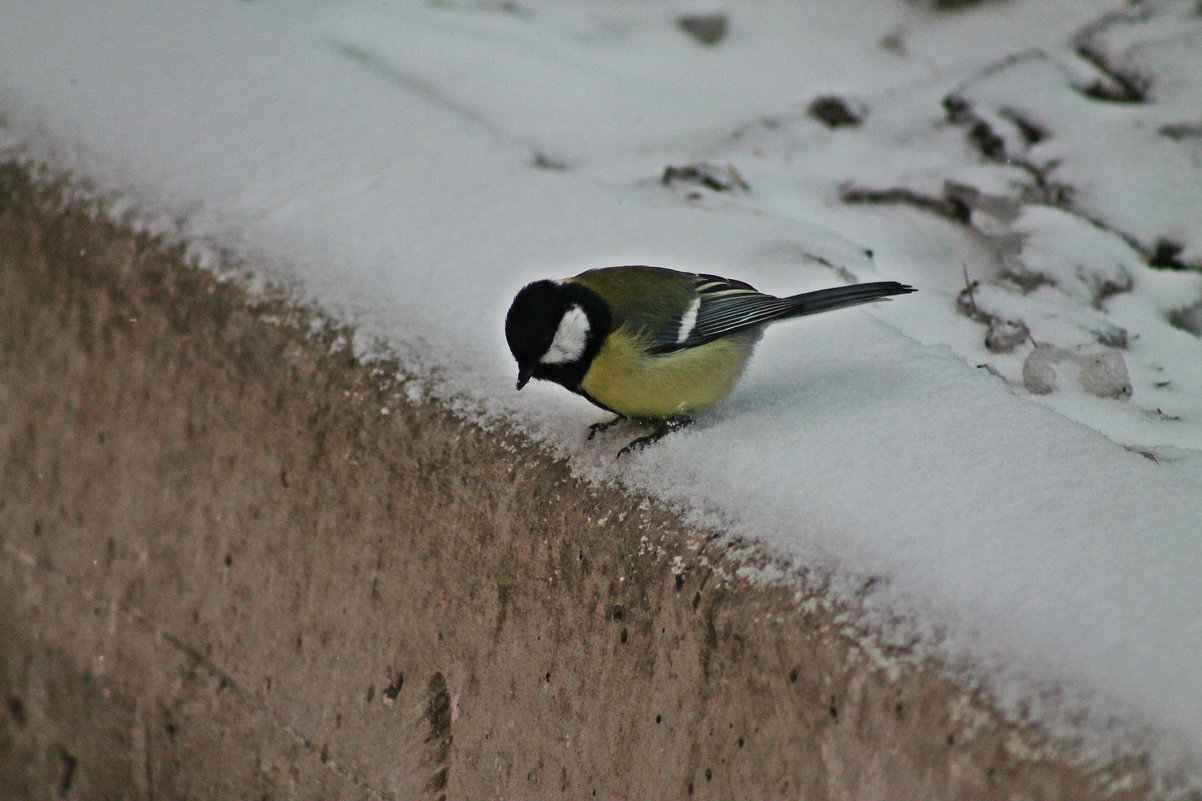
(524, 374)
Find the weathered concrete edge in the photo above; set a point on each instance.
(232, 573)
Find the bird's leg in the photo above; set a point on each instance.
(665, 428)
(598, 428)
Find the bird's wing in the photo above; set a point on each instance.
(720, 307)
(676, 310)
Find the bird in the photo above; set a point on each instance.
(652, 344)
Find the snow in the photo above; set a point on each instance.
(408, 166)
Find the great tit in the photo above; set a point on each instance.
(653, 344)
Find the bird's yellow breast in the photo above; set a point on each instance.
(631, 382)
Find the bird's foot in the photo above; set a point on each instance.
(598, 428)
(665, 428)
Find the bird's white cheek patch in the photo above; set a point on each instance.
(570, 338)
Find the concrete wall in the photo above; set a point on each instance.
(227, 574)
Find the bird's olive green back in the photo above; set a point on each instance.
(645, 299)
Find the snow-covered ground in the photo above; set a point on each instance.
(1032, 514)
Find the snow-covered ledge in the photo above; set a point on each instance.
(996, 480)
(237, 563)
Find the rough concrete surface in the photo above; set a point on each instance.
(227, 574)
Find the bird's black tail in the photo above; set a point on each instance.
(841, 297)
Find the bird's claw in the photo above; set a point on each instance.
(638, 444)
(598, 428)
(665, 428)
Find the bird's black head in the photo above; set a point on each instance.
(554, 330)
